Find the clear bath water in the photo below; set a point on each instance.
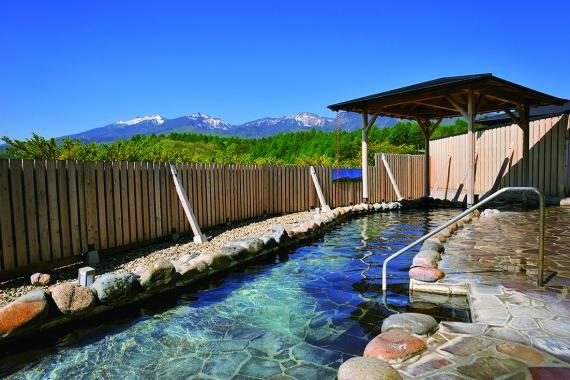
(300, 313)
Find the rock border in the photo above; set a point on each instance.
(112, 291)
(425, 274)
(413, 347)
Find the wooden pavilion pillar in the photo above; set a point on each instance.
(366, 125)
(523, 121)
(469, 115)
(524, 124)
(427, 131)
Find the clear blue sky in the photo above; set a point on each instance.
(68, 66)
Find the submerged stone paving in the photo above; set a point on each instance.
(519, 330)
(500, 271)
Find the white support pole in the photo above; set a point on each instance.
(392, 179)
(426, 162)
(324, 206)
(365, 157)
(199, 237)
(470, 149)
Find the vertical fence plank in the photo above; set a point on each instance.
(81, 199)
(157, 203)
(31, 226)
(117, 205)
(18, 211)
(53, 210)
(74, 220)
(42, 209)
(151, 200)
(90, 181)
(6, 227)
(124, 200)
(109, 204)
(63, 208)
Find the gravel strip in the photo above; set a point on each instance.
(128, 261)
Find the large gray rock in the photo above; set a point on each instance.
(73, 299)
(233, 252)
(429, 255)
(252, 245)
(268, 241)
(217, 260)
(26, 312)
(430, 245)
(115, 288)
(359, 368)
(161, 274)
(190, 269)
(298, 231)
(394, 205)
(279, 233)
(416, 323)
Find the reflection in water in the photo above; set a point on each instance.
(300, 314)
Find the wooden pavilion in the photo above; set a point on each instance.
(430, 102)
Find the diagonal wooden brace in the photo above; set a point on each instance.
(199, 237)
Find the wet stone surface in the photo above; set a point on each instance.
(502, 277)
(299, 315)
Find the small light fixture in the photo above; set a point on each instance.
(86, 276)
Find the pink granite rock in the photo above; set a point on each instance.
(40, 279)
(424, 261)
(72, 299)
(394, 345)
(426, 274)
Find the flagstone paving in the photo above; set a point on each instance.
(519, 330)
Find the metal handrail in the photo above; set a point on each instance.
(467, 212)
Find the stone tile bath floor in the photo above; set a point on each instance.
(496, 257)
(301, 314)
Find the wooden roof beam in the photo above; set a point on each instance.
(435, 106)
(512, 116)
(458, 107)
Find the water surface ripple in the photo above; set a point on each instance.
(300, 314)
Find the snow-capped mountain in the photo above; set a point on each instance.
(202, 123)
(156, 119)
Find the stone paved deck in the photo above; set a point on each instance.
(495, 259)
(504, 248)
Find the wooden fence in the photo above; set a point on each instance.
(499, 158)
(56, 210)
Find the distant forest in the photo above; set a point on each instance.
(311, 147)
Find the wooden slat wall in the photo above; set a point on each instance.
(547, 158)
(54, 210)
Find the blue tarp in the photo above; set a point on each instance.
(339, 175)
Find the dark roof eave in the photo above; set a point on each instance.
(438, 88)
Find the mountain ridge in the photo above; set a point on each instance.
(198, 122)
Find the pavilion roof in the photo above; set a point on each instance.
(438, 98)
